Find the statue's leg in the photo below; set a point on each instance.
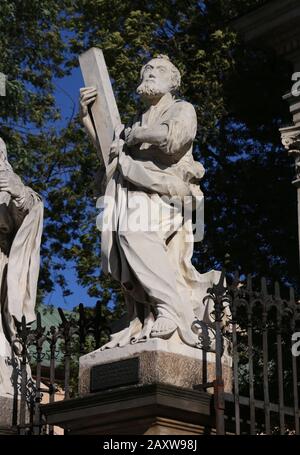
(148, 262)
(146, 255)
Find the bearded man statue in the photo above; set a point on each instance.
(152, 166)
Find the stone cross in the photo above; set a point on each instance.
(104, 112)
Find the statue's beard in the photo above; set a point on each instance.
(149, 90)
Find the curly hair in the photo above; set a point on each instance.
(175, 74)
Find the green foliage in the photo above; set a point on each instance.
(250, 204)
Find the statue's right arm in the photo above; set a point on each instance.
(87, 97)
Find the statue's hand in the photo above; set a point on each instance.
(115, 148)
(117, 143)
(135, 135)
(87, 97)
(11, 182)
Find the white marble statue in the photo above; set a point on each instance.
(21, 221)
(152, 161)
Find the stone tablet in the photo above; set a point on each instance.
(104, 112)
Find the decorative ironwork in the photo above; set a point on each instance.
(258, 329)
(262, 326)
(35, 346)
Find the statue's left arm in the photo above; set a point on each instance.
(169, 139)
(144, 134)
(173, 135)
(23, 198)
(26, 199)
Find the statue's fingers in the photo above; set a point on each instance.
(87, 89)
(90, 90)
(85, 100)
(89, 93)
(89, 98)
(83, 97)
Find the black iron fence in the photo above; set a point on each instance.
(46, 362)
(265, 370)
(257, 332)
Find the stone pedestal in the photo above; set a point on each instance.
(156, 361)
(142, 389)
(155, 409)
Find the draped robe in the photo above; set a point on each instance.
(153, 261)
(21, 222)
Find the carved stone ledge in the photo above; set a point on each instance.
(290, 138)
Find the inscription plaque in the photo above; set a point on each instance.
(116, 374)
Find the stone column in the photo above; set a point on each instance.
(290, 137)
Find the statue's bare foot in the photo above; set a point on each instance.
(123, 337)
(145, 333)
(163, 327)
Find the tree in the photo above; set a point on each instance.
(33, 53)
(247, 184)
(237, 93)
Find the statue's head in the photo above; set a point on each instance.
(158, 77)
